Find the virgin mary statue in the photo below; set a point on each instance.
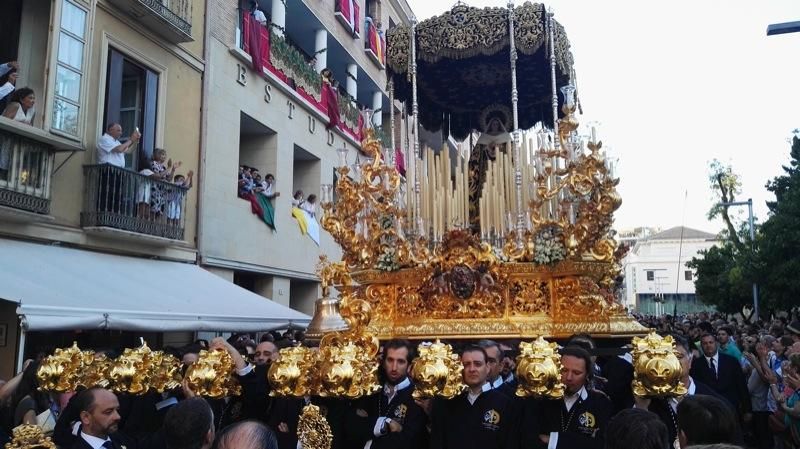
(494, 137)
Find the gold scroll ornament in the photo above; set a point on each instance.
(657, 371)
(210, 375)
(539, 370)
(29, 436)
(437, 371)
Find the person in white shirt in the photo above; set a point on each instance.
(9, 69)
(110, 150)
(258, 14)
(20, 107)
(310, 205)
(99, 420)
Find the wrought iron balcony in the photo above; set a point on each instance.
(171, 19)
(25, 169)
(124, 200)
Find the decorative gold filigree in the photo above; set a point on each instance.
(29, 436)
(437, 371)
(289, 375)
(313, 430)
(210, 375)
(657, 371)
(529, 297)
(539, 370)
(62, 370)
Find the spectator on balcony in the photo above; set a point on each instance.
(175, 200)
(310, 205)
(162, 173)
(6, 83)
(258, 15)
(245, 182)
(143, 189)
(110, 150)
(20, 106)
(297, 200)
(269, 187)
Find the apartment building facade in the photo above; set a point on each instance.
(268, 109)
(85, 246)
(657, 279)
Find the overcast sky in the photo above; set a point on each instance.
(676, 84)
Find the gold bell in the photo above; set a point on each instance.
(326, 319)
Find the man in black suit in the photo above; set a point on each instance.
(723, 374)
(99, 415)
(389, 419)
(667, 408)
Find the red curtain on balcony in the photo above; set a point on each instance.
(331, 102)
(350, 10)
(376, 42)
(256, 42)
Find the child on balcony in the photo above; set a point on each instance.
(176, 196)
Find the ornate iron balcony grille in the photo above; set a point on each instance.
(176, 12)
(123, 199)
(25, 171)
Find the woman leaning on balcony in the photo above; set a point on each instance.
(20, 106)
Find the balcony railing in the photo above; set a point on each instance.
(25, 169)
(171, 19)
(125, 200)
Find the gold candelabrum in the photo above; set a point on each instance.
(548, 272)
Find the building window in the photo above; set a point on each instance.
(69, 69)
(131, 101)
(651, 276)
(687, 275)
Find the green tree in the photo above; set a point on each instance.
(720, 279)
(725, 273)
(779, 243)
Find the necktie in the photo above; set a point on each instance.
(389, 391)
(108, 444)
(713, 367)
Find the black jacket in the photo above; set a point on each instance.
(583, 426)
(489, 423)
(362, 419)
(729, 383)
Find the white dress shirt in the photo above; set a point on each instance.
(106, 154)
(569, 402)
(96, 443)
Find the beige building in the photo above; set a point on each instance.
(274, 117)
(139, 63)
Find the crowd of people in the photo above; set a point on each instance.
(155, 197)
(15, 103)
(745, 402)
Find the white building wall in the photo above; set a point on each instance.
(662, 258)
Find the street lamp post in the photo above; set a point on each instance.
(749, 204)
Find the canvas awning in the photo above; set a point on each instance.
(59, 288)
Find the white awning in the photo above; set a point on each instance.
(58, 288)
